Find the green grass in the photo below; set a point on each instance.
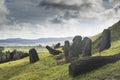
(95, 37)
(45, 69)
(23, 49)
(115, 31)
(48, 69)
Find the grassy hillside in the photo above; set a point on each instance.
(115, 32)
(51, 68)
(115, 35)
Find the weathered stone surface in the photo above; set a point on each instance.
(66, 49)
(86, 46)
(53, 51)
(90, 63)
(105, 41)
(76, 47)
(33, 56)
(57, 45)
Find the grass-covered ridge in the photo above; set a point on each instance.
(115, 32)
(115, 36)
(49, 69)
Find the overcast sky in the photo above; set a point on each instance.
(56, 18)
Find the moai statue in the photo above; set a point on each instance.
(105, 41)
(86, 46)
(66, 49)
(33, 56)
(57, 46)
(76, 48)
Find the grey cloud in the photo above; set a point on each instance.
(63, 18)
(75, 8)
(28, 11)
(71, 4)
(26, 18)
(58, 5)
(43, 11)
(114, 2)
(3, 12)
(75, 5)
(84, 8)
(57, 20)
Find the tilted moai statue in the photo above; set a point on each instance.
(53, 51)
(66, 49)
(86, 46)
(33, 56)
(105, 41)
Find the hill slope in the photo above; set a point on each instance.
(115, 35)
(48, 69)
(115, 31)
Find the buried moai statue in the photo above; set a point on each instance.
(33, 56)
(57, 45)
(14, 55)
(66, 49)
(105, 41)
(86, 46)
(90, 63)
(76, 48)
(53, 51)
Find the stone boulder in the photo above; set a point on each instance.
(33, 56)
(86, 46)
(53, 51)
(105, 41)
(66, 49)
(90, 63)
